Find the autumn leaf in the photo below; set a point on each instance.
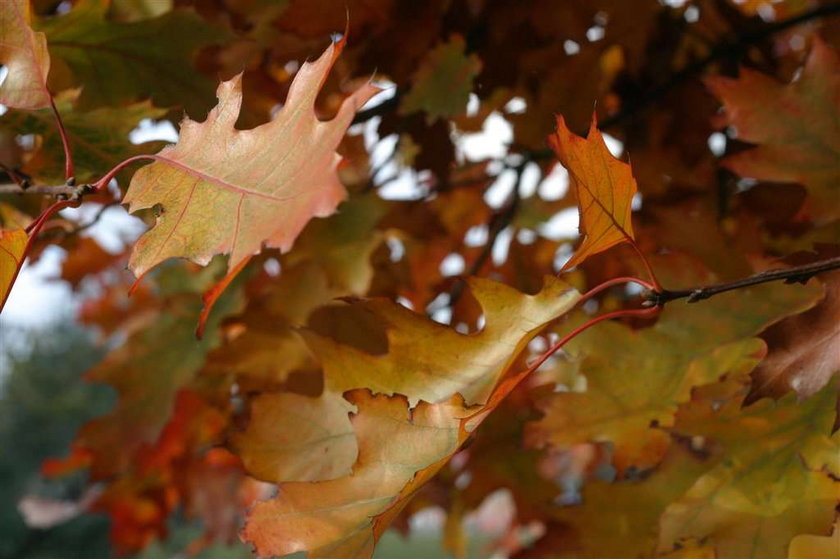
(805, 546)
(297, 438)
(774, 483)
(100, 138)
(228, 191)
(24, 53)
(85, 46)
(399, 446)
(159, 357)
(12, 247)
(621, 518)
(338, 518)
(604, 187)
(795, 141)
(430, 361)
(443, 81)
(688, 346)
(803, 353)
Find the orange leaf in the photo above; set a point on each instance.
(228, 191)
(604, 187)
(24, 53)
(12, 248)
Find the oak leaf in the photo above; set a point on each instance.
(399, 449)
(637, 377)
(402, 446)
(430, 361)
(228, 191)
(778, 478)
(604, 187)
(24, 53)
(297, 438)
(796, 141)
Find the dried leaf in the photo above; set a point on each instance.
(604, 187)
(24, 52)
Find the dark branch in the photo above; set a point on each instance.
(796, 274)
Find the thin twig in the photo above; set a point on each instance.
(63, 189)
(795, 274)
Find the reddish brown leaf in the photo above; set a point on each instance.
(804, 349)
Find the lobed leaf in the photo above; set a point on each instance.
(636, 378)
(228, 191)
(429, 361)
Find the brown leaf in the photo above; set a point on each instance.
(804, 350)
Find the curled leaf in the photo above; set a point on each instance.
(604, 187)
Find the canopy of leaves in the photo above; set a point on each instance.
(380, 217)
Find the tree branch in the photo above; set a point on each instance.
(796, 274)
(62, 189)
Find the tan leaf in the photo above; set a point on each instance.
(228, 191)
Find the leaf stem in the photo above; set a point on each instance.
(103, 182)
(69, 169)
(610, 283)
(795, 274)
